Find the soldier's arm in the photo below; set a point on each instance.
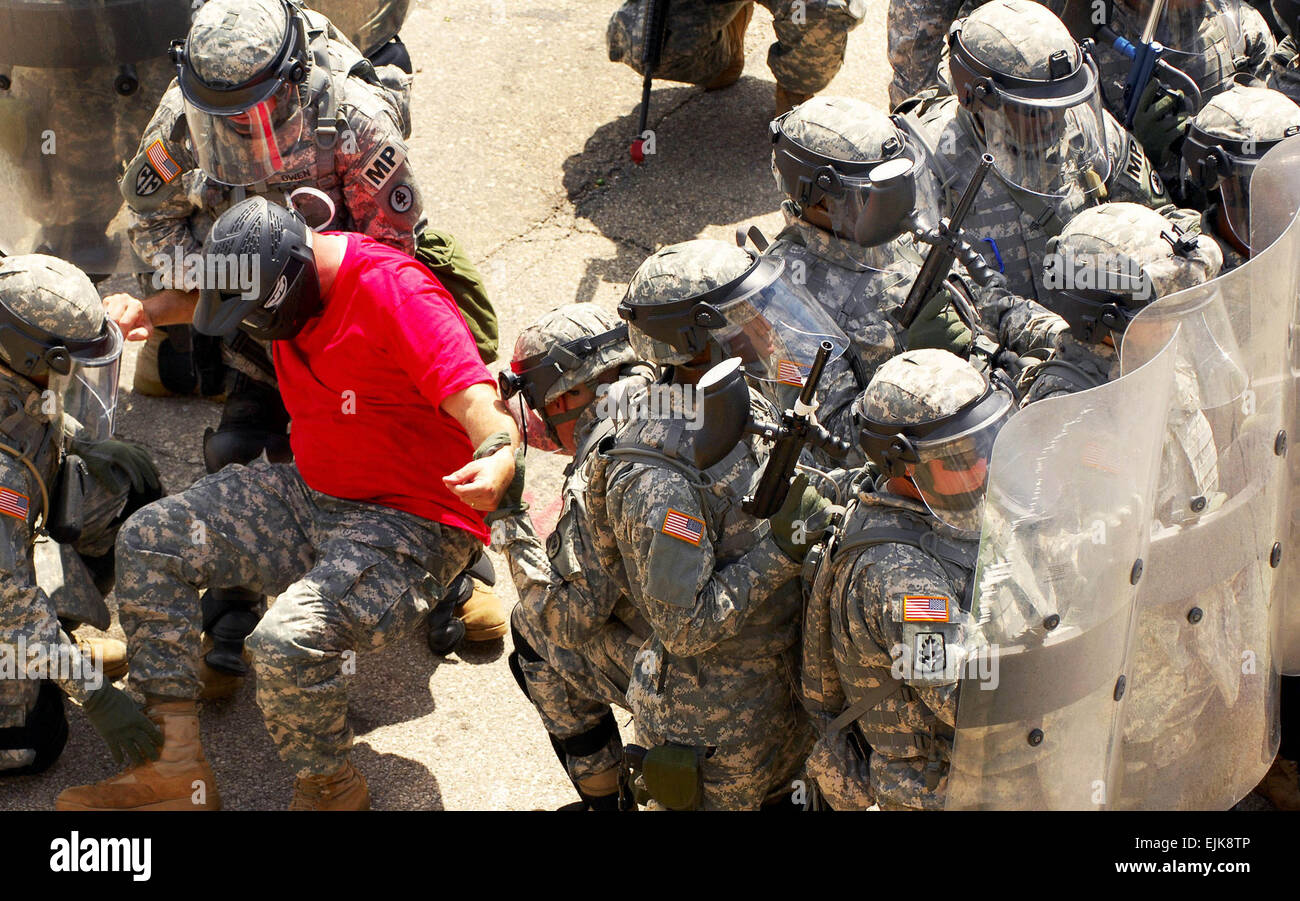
(155, 187)
(379, 185)
(1020, 323)
(883, 577)
(1258, 43)
(561, 604)
(26, 612)
(657, 520)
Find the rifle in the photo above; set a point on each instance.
(948, 246)
(796, 429)
(656, 33)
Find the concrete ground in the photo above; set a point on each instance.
(520, 141)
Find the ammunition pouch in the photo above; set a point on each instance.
(670, 773)
(67, 510)
(45, 732)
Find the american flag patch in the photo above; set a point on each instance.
(13, 504)
(923, 609)
(788, 372)
(687, 528)
(162, 162)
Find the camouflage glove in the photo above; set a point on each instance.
(938, 325)
(1160, 122)
(513, 502)
(130, 734)
(801, 521)
(133, 459)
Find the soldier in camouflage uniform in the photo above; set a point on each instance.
(1226, 140)
(575, 635)
(914, 36)
(706, 42)
(54, 343)
(712, 689)
(887, 625)
(856, 254)
(340, 128)
(1047, 165)
(1284, 63)
(353, 570)
(1118, 253)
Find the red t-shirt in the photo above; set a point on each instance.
(365, 381)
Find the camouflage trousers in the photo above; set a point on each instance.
(811, 37)
(915, 33)
(348, 577)
(575, 691)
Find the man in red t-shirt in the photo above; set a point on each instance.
(402, 447)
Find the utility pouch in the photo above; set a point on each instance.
(673, 775)
(67, 514)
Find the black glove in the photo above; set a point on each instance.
(800, 522)
(513, 502)
(1160, 121)
(130, 734)
(133, 459)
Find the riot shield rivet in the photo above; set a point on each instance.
(1195, 615)
(1052, 622)
(1275, 558)
(1279, 445)
(1136, 573)
(1198, 504)
(1120, 685)
(1035, 737)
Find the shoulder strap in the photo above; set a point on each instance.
(868, 702)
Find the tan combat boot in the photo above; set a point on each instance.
(733, 35)
(147, 380)
(109, 651)
(483, 614)
(1281, 785)
(180, 779)
(343, 789)
(788, 100)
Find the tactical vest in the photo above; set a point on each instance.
(826, 661)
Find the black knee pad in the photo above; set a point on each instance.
(229, 616)
(243, 446)
(595, 738)
(253, 420)
(45, 732)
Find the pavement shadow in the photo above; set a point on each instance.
(397, 783)
(711, 166)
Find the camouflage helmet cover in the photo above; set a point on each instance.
(47, 303)
(917, 387)
(844, 129)
(570, 323)
(1018, 38)
(232, 41)
(678, 272)
(1249, 113)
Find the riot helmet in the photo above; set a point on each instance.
(274, 246)
(1227, 139)
(932, 417)
(1111, 261)
(573, 345)
(53, 331)
(1032, 95)
(696, 303)
(854, 161)
(243, 75)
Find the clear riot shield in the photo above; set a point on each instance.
(45, 34)
(369, 24)
(1275, 200)
(1200, 727)
(65, 136)
(1065, 531)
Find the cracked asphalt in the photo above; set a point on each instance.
(520, 142)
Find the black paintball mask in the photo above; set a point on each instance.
(869, 202)
(259, 273)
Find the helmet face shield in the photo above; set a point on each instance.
(248, 146)
(88, 391)
(1213, 162)
(868, 202)
(242, 134)
(946, 459)
(1047, 137)
(775, 326)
